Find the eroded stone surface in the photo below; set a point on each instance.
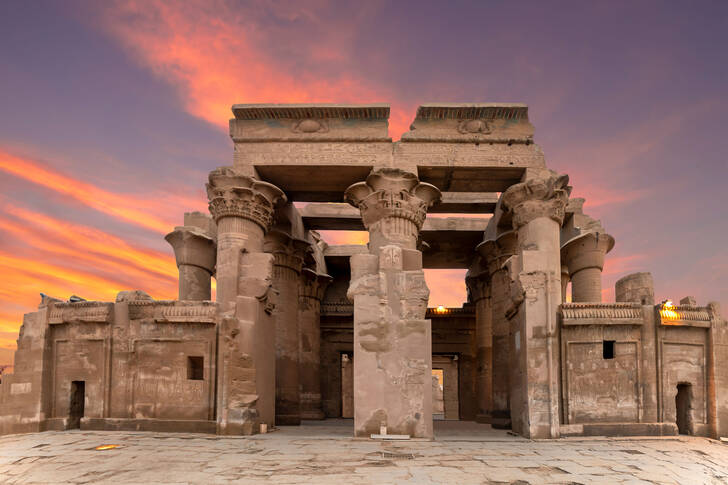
(324, 454)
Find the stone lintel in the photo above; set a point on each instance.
(471, 122)
(310, 122)
(338, 216)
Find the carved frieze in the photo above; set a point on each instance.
(171, 311)
(84, 311)
(601, 313)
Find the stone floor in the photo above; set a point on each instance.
(322, 453)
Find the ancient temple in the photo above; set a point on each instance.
(303, 330)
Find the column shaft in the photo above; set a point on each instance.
(484, 338)
(309, 316)
(537, 207)
(288, 403)
(194, 283)
(243, 211)
(586, 285)
(392, 340)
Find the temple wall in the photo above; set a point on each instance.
(596, 387)
(24, 396)
(139, 365)
(629, 368)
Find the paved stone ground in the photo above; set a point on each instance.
(464, 453)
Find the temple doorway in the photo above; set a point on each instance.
(78, 402)
(445, 393)
(347, 385)
(684, 408)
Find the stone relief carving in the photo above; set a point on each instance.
(474, 126)
(233, 194)
(310, 125)
(392, 193)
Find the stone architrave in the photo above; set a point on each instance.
(496, 252)
(243, 210)
(288, 255)
(537, 208)
(392, 339)
(584, 258)
(312, 289)
(195, 253)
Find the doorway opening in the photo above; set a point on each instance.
(347, 385)
(438, 394)
(78, 402)
(684, 408)
(446, 391)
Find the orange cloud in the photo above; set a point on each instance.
(97, 246)
(128, 208)
(217, 56)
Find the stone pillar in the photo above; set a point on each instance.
(478, 283)
(636, 288)
(537, 208)
(312, 290)
(392, 339)
(584, 257)
(195, 252)
(243, 209)
(495, 253)
(288, 253)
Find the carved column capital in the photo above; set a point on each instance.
(586, 251)
(495, 252)
(288, 251)
(313, 284)
(539, 197)
(232, 194)
(393, 202)
(192, 246)
(478, 286)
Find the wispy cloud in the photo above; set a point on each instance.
(215, 54)
(131, 209)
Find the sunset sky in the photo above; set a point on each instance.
(113, 113)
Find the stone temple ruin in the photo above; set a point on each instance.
(302, 330)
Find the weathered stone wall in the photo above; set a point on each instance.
(24, 396)
(601, 365)
(133, 358)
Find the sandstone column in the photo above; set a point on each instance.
(392, 340)
(195, 253)
(478, 283)
(243, 210)
(288, 253)
(584, 257)
(537, 208)
(496, 252)
(313, 286)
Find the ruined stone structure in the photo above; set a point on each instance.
(303, 330)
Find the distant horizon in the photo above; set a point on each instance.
(114, 113)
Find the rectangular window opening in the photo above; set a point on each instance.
(195, 368)
(608, 349)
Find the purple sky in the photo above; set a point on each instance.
(132, 98)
